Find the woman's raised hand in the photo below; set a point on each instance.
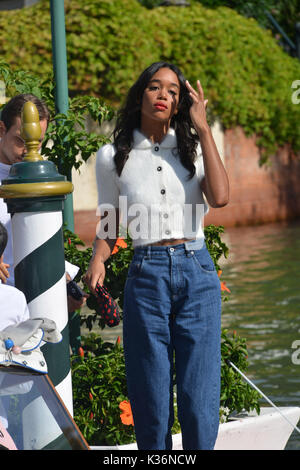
(198, 107)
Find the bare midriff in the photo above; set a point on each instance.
(172, 241)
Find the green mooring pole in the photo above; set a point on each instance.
(59, 54)
(35, 192)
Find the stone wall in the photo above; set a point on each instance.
(257, 194)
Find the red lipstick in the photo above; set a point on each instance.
(160, 105)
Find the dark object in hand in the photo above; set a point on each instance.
(74, 290)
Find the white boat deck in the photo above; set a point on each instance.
(267, 431)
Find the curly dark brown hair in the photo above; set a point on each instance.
(129, 118)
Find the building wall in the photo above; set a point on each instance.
(257, 194)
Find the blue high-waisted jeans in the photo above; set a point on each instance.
(172, 305)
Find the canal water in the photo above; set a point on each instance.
(263, 275)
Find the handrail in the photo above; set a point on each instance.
(280, 30)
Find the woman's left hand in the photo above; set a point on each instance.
(198, 107)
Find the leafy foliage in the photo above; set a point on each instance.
(285, 12)
(68, 135)
(73, 254)
(245, 74)
(99, 386)
(236, 394)
(66, 142)
(214, 243)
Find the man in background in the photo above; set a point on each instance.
(13, 150)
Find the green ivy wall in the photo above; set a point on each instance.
(245, 74)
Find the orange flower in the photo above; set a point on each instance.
(126, 416)
(223, 284)
(120, 243)
(81, 352)
(224, 287)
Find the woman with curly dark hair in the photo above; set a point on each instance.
(129, 119)
(152, 181)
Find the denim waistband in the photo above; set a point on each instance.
(160, 249)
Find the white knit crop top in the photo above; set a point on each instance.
(154, 195)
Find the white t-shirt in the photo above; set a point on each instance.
(6, 221)
(154, 195)
(13, 310)
(13, 306)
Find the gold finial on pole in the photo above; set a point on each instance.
(31, 131)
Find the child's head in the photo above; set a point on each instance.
(3, 239)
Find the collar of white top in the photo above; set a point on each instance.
(142, 142)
